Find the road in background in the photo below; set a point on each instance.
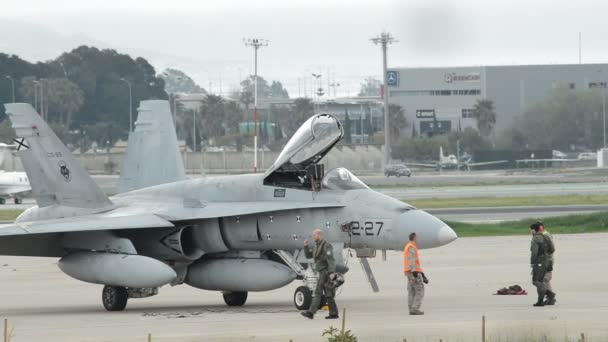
(498, 214)
(523, 190)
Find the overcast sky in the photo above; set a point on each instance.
(204, 38)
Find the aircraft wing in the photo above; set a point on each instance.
(84, 223)
(133, 218)
(422, 165)
(16, 189)
(495, 162)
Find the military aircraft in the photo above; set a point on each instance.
(13, 185)
(232, 234)
(451, 162)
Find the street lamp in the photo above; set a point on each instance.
(312, 87)
(384, 39)
(42, 104)
(256, 43)
(130, 105)
(12, 86)
(36, 95)
(39, 97)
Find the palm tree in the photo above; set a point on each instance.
(301, 110)
(397, 121)
(485, 115)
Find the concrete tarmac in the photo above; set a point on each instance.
(42, 304)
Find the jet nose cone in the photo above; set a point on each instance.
(446, 235)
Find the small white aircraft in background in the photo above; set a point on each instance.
(451, 162)
(13, 185)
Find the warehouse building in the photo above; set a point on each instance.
(439, 100)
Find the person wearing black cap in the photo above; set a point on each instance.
(539, 260)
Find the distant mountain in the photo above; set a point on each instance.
(34, 42)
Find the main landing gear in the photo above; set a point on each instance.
(114, 298)
(302, 297)
(235, 298)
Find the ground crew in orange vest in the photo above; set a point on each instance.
(415, 277)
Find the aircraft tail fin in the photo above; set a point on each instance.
(153, 155)
(55, 176)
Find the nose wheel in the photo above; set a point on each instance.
(302, 298)
(114, 298)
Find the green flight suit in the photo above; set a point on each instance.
(539, 262)
(324, 264)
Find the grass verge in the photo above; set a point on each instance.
(9, 215)
(571, 224)
(430, 203)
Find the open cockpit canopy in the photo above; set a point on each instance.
(309, 144)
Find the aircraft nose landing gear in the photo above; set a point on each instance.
(302, 298)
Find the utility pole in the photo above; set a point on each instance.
(12, 86)
(383, 40)
(130, 105)
(256, 43)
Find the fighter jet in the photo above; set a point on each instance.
(13, 185)
(231, 234)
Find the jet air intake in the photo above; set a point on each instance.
(125, 270)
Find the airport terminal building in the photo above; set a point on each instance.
(438, 100)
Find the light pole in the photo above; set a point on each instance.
(316, 77)
(42, 104)
(604, 110)
(384, 39)
(39, 97)
(12, 86)
(130, 105)
(194, 130)
(256, 43)
(36, 95)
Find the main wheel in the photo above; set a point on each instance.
(235, 298)
(18, 200)
(302, 298)
(2, 200)
(114, 298)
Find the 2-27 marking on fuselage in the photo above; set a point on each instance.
(367, 228)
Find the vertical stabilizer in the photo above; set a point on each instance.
(153, 155)
(55, 176)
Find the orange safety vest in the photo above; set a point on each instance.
(406, 261)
